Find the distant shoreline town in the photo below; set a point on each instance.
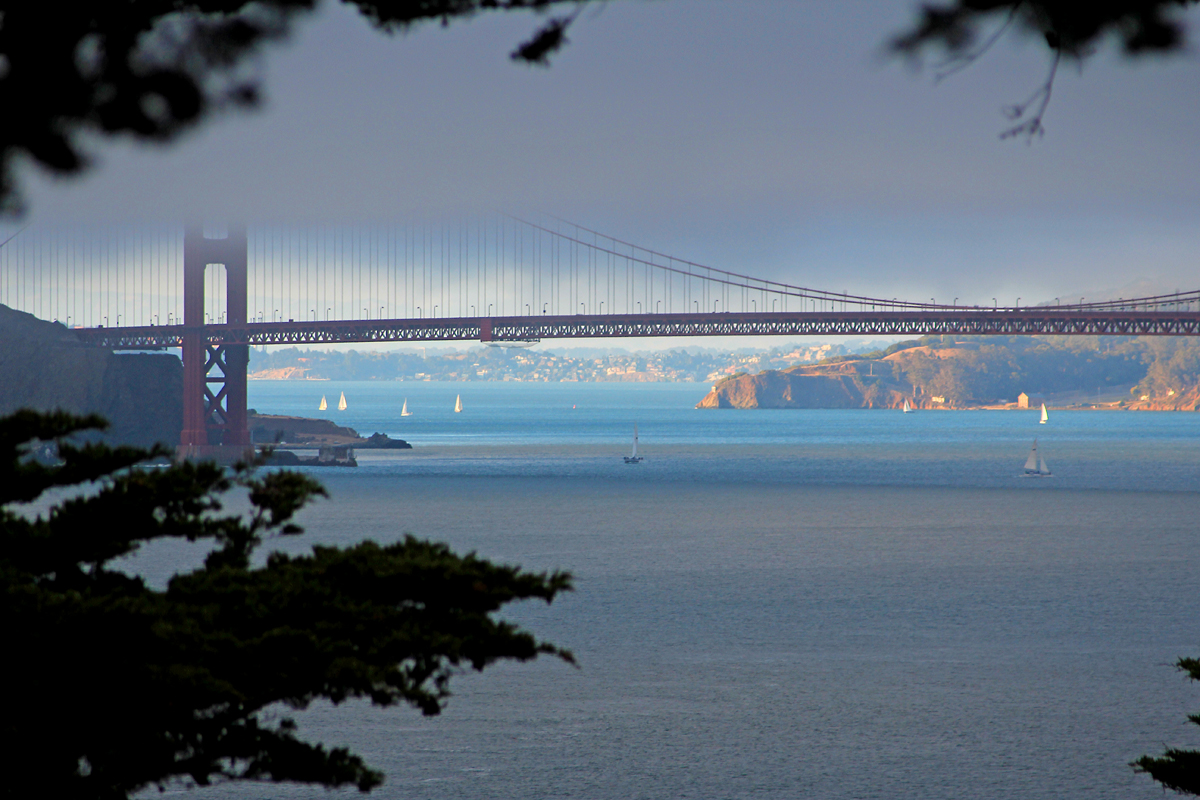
(545, 363)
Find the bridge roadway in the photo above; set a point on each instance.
(967, 321)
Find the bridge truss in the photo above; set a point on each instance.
(964, 322)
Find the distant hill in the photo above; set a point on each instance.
(44, 366)
(981, 371)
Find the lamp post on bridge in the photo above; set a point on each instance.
(327, 310)
(774, 300)
(544, 308)
(381, 312)
(697, 302)
(527, 310)
(584, 307)
(601, 306)
(1018, 303)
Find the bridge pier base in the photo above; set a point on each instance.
(214, 377)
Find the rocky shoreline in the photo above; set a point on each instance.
(305, 433)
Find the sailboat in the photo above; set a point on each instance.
(342, 402)
(907, 407)
(634, 458)
(1035, 465)
(323, 405)
(458, 404)
(404, 412)
(1044, 418)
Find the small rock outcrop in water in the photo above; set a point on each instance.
(43, 366)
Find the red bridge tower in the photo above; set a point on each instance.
(214, 376)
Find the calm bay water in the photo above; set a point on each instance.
(777, 604)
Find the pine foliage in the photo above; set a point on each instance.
(114, 686)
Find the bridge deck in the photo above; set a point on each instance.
(968, 321)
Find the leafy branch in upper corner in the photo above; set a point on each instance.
(116, 686)
(1178, 770)
(1070, 30)
(152, 70)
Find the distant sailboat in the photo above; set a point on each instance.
(323, 405)
(1044, 418)
(404, 412)
(342, 402)
(458, 404)
(907, 407)
(1035, 465)
(634, 458)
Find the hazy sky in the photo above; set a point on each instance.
(766, 137)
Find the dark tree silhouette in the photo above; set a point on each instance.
(1175, 769)
(150, 69)
(963, 30)
(113, 686)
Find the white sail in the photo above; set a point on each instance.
(1042, 468)
(1031, 463)
(1045, 417)
(404, 412)
(634, 454)
(458, 404)
(907, 407)
(323, 405)
(342, 402)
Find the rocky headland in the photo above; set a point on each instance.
(1136, 374)
(827, 386)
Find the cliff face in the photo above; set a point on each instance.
(44, 367)
(276, 427)
(1187, 400)
(835, 386)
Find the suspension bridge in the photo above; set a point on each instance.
(214, 293)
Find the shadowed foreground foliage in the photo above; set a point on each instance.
(114, 686)
(1178, 770)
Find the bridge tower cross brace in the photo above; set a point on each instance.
(214, 376)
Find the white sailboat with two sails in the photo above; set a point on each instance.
(404, 412)
(1035, 465)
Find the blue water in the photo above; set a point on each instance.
(582, 429)
(780, 604)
